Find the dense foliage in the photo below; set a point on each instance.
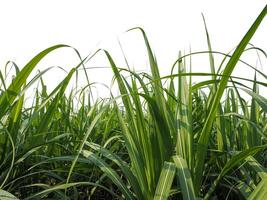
(162, 138)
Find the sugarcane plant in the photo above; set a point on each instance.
(161, 138)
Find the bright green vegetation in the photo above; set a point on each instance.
(162, 138)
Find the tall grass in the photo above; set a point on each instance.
(161, 138)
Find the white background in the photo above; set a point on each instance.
(29, 26)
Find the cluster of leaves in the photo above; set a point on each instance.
(154, 141)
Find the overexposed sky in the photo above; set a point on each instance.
(29, 26)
